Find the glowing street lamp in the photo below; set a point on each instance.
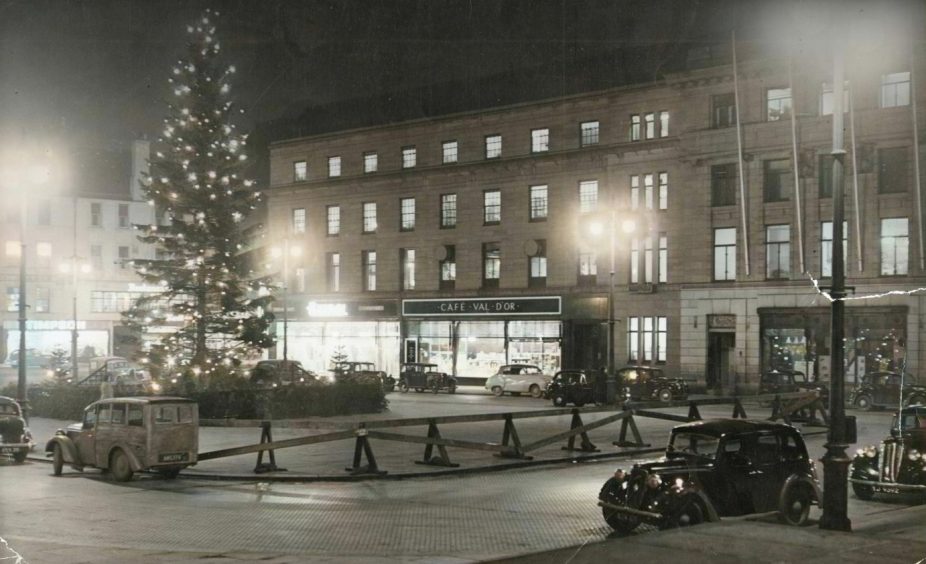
(72, 267)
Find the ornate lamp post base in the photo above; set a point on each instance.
(835, 494)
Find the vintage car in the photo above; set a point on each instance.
(714, 469)
(574, 386)
(899, 465)
(882, 389)
(421, 376)
(15, 438)
(641, 383)
(273, 373)
(517, 379)
(128, 435)
(351, 371)
(125, 376)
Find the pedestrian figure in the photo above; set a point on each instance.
(106, 389)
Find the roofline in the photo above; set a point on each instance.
(468, 113)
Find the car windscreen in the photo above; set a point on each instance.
(695, 444)
(8, 409)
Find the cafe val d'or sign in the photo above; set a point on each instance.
(550, 305)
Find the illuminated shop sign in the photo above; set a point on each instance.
(548, 305)
(46, 325)
(375, 309)
(326, 309)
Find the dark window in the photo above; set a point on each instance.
(892, 170)
(825, 175)
(777, 251)
(491, 264)
(369, 270)
(334, 272)
(779, 180)
(123, 216)
(723, 185)
(723, 110)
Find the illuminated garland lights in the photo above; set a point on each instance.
(825, 294)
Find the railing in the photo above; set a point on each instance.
(784, 406)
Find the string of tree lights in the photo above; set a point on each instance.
(825, 294)
(197, 185)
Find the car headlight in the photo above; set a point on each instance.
(155, 386)
(679, 483)
(653, 481)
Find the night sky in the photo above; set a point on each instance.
(94, 73)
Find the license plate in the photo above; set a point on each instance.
(887, 489)
(10, 450)
(173, 457)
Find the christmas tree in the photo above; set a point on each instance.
(196, 183)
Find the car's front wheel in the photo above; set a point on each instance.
(916, 400)
(795, 505)
(863, 491)
(535, 391)
(665, 395)
(452, 388)
(863, 402)
(120, 467)
(57, 460)
(559, 400)
(497, 391)
(691, 511)
(403, 387)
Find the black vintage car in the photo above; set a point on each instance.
(899, 465)
(574, 386)
(883, 389)
(642, 383)
(273, 373)
(362, 372)
(714, 469)
(784, 381)
(421, 376)
(15, 439)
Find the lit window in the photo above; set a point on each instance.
(648, 260)
(779, 180)
(448, 210)
(334, 272)
(635, 191)
(13, 249)
(407, 219)
(778, 103)
(449, 150)
(493, 146)
(588, 133)
(409, 157)
(778, 251)
(663, 258)
(42, 300)
(537, 273)
(663, 123)
(12, 298)
(538, 203)
(634, 261)
(408, 269)
(298, 220)
(723, 110)
(633, 339)
(448, 268)
(663, 190)
(895, 246)
(649, 121)
(492, 204)
(334, 167)
(826, 246)
(588, 196)
(370, 162)
(826, 98)
(635, 127)
(492, 264)
(300, 171)
(43, 249)
(895, 89)
(369, 271)
(369, 217)
(334, 220)
(648, 191)
(725, 253)
(588, 266)
(540, 140)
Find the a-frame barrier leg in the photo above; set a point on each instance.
(693, 412)
(627, 423)
(266, 436)
(510, 434)
(586, 445)
(361, 448)
(738, 411)
(443, 459)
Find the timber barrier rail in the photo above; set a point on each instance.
(786, 407)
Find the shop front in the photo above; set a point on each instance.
(472, 337)
(323, 332)
(799, 339)
(46, 338)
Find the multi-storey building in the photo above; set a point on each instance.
(475, 239)
(79, 244)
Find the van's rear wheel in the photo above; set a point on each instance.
(57, 460)
(120, 467)
(795, 507)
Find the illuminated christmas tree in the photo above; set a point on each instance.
(202, 199)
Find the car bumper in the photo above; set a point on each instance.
(890, 487)
(630, 511)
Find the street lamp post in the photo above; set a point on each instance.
(835, 461)
(21, 379)
(285, 253)
(72, 267)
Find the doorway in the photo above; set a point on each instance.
(720, 347)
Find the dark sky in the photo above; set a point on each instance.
(94, 72)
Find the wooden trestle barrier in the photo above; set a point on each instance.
(783, 407)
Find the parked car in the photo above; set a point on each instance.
(899, 465)
(273, 373)
(128, 435)
(882, 389)
(34, 359)
(15, 438)
(577, 387)
(352, 371)
(642, 383)
(421, 376)
(714, 469)
(125, 376)
(783, 381)
(517, 379)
